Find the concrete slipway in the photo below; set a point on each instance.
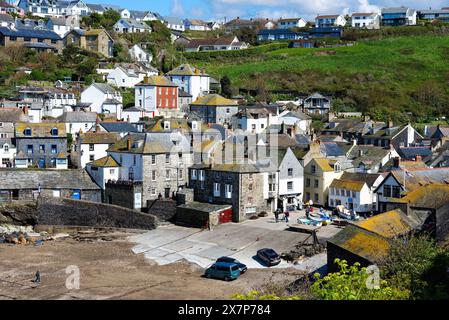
(168, 244)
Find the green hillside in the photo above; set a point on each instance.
(385, 78)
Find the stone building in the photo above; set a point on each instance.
(18, 184)
(249, 188)
(214, 108)
(37, 39)
(41, 144)
(95, 40)
(158, 160)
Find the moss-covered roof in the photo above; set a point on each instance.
(432, 196)
(99, 138)
(157, 81)
(41, 130)
(213, 100)
(348, 185)
(389, 224)
(105, 162)
(186, 70)
(324, 164)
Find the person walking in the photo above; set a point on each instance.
(276, 215)
(37, 277)
(287, 215)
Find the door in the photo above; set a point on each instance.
(167, 193)
(41, 163)
(76, 195)
(226, 216)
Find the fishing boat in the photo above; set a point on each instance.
(323, 218)
(347, 214)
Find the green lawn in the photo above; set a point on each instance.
(392, 76)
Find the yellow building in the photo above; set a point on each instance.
(318, 176)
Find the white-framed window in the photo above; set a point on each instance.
(167, 174)
(290, 172)
(290, 185)
(153, 175)
(193, 175)
(202, 175)
(216, 189)
(153, 191)
(228, 191)
(153, 159)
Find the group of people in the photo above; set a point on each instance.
(277, 214)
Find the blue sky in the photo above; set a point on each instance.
(218, 9)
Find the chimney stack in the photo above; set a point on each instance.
(128, 144)
(396, 163)
(390, 124)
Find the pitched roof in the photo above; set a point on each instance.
(214, 100)
(46, 179)
(347, 185)
(152, 143)
(13, 115)
(361, 14)
(157, 81)
(222, 41)
(331, 16)
(99, 138)
(41, 130)
(173, 20)
(186, 70)
(105, 88)
(30, 33)
(118, 127)
(78, 116)
(432, 196)
(413, 152)
(6, 18)
(105, 162)
(416, 178)
(389, 224)
(368, 178)
(134, 23)
(324, 164)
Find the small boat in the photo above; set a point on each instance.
(305, 221)
(346, 214)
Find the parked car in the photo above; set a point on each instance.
(269, 256)
(223, 270)
(242, 266)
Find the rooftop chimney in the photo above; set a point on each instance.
(396, 163)
(128, 144)
(390, 124)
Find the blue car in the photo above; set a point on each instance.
(242, 266)
(223, 270)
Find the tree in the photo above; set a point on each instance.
(350, 284)
(226, 88)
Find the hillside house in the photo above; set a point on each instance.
(214, 108)
(103, 99)
(365, 20)
(326, 21)
(40, 40)
(317, 104)
(131, 26)
(138, 54)
(291, 23)
(174, 23)
(222, 43)
(95, 40)
(92, 146)
(401, 16)
(190, 79)
(196, 25)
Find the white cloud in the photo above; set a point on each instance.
(177, 8)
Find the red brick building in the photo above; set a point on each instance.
(157, 95)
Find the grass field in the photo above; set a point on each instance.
(377, 77)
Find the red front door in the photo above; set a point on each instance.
(226, 216)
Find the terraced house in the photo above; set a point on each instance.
(42, 145)
(40, 40)
(158, 162)
(214, 108)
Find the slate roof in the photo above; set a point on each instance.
(347, 185)
(405, 10)
(152, 143)
(260, 166)
(413, 152)
(331, 149)
(96, 7)
(77, 116)
(223, 41)
(368, 155)
(267, 32)
(39, 45)
(118, 127)
(134, 23)
(6, 18)
(186, 70)
(183, 94)
(368, 178)
(173, 21)
(361, 14)
(416, 178)
(48, 179)
(30, 33)
(331, 16)
(214, 100)
(105, 88)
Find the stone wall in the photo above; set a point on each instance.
(164, 209)
(18, 213)
(123, 194)
(67, 212)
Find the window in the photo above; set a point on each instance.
(396, 192)
(153, 191)
(290, 172)
(228, 191)
(111, 171)
(387, 191)
(6, 148)
(337, 168)
(153, 159)
(153, 175)
(202, 175)
(216, 189)
(317, 183)
(308, 183)
(317, 197)
(337, 191)
(290, 186)
(332, 191)
(91, 157)
(54, 132)
(91, 147)
(30, 149)
(135, 160)
(313, 169)
(250, 187)
(354, 194)
(167, 158)
(167, 174)
(54, 149)
(181, 175)
(193, 174)
(348, 193)
(27, 132)
(41, 148)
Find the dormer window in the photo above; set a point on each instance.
(54, 132)
(166, 125)
(194, 125)
(337, 168)
(27, 132)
